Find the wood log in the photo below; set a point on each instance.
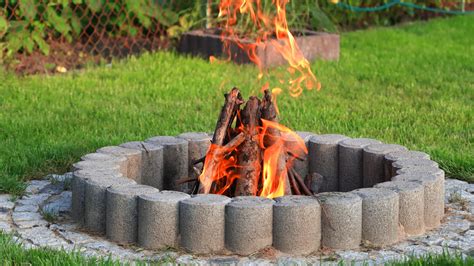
(233, 100)
(231, 106)
(273, 135)
(249, 157)
(301, 183)
(294, 186)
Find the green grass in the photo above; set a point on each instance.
(12, 253)
(412, 85)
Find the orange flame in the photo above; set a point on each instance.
(221, 166)
(270, 29)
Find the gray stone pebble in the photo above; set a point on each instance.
(5, 202)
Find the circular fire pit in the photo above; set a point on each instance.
(364, 192)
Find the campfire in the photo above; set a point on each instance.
(251, 153)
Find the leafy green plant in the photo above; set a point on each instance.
(348, 19)
(25, 25)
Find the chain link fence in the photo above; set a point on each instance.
(38, 36)
(43, 36)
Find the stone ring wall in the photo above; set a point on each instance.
(367, 192)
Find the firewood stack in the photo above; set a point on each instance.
(237, 138)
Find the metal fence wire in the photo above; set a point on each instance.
(69, 33)
(41, 36)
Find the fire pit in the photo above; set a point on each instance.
(253, 185)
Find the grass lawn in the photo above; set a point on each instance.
(412, 85)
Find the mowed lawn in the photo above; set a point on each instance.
(411, 84)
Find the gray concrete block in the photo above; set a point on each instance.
(297, 224)
(198, 145)
(97, 165)
(78, 184)
(323, 159)
(341, 220)
(134, 160)
(102, 157)
(412, 163)
(122, 212)
(379, 215)
(316, 182)
(433, 195)
(411, 205)
(440, 179)
(350, 162)
(248, 224)
(400, 155)
(158, 219)
(439, 173)
(95, 200)
(152, 162)
(373, 163)
(175, 161)
(202, 223)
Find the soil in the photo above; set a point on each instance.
(65, 56)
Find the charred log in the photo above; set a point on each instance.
(249, 158)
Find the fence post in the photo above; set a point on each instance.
(209, 14)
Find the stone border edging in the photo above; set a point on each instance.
(342, 162)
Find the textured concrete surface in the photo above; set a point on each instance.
(122, 212)
(433, 195)
(202, 223)
(95, 202)
(94, 164)
(175, 160)
(198, 145)
(379, 216)
(102, 157)
(401, 155)
(439, 173)
(296, 224)
(412, 163)
(152, 162)
(341, 220)
(373, 163)
(411, 205)
(248, 224)
(323, 159)
(350, 162)
(440, 180)
(158, 219)
(455, 234)
(78, 184)
(134, 160)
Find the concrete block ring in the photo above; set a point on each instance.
(362, 190)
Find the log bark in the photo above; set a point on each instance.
(233, 100)
(273, 135)
(249, 157)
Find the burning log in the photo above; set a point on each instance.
(249, 158)
(233, 100)
(273, 135)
